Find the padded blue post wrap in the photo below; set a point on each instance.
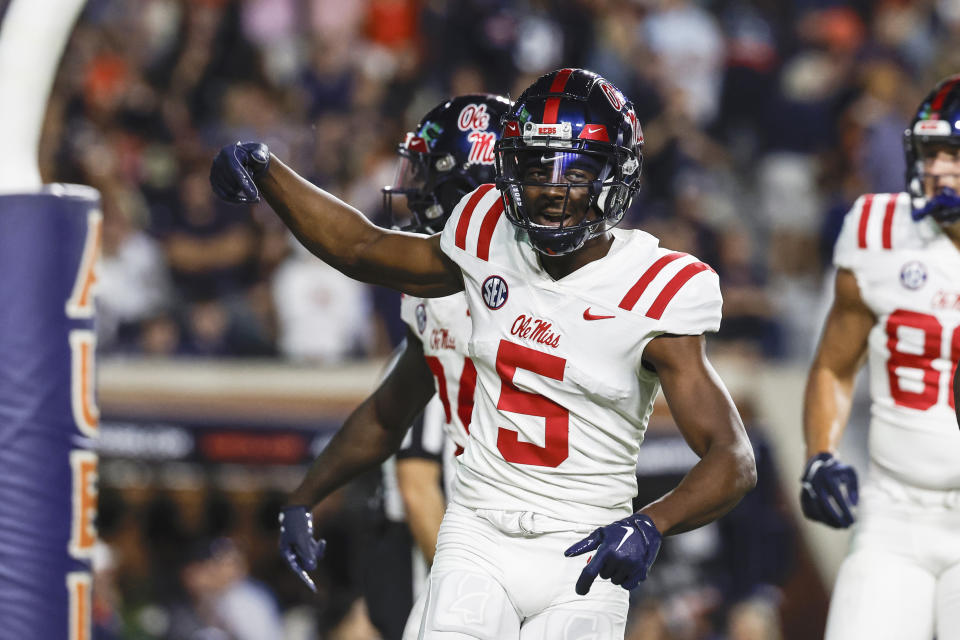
(42, 244)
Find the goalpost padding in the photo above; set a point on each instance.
(49, 243)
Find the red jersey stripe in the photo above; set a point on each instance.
(460, 240)
(640, 286)
(486, 229)
(553, 104)
(888, 222)
(468, 382)
(669, 291)
(864, 217)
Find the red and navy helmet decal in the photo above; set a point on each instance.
(447, 155)
(573, 112)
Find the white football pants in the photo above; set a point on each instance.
(901, 578)
(501, 575)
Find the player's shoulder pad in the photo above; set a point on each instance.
(470, 229)
(413, 313)
(877, 222)
(678, 291)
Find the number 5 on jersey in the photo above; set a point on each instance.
(510, 357)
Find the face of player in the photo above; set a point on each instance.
(563, 200)
(941, 168)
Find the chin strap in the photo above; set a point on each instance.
(943, 207)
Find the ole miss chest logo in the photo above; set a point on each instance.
(494, 291)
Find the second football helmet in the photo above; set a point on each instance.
(449, 154)
(936, 124)
(570, 131)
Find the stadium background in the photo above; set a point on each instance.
(227, 355)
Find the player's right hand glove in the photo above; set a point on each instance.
(297, 544)
(830, 491)
(234, 169)
(625, 550)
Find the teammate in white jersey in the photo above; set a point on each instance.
(576, 326)
(897, 302)
(448, 154)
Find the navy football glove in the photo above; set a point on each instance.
(627, 548)
(297, 544)
(234, 170)
(830, 491)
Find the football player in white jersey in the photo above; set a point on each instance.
(897, 302)
(449, 153)
(576, 326)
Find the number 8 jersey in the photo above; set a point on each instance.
(562, 399)
(908, 273)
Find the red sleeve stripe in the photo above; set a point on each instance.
(553, 104)
(864, 218)
(487, 227)
(669, 291)
(641, 285)
(463, 225)
(888, 222)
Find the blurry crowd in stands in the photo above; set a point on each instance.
(763, 121)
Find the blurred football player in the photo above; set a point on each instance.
(897, 300)
(576, 326)
(448, 154)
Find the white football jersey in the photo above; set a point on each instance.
(443, 326)
(562, 401)
(909, 275)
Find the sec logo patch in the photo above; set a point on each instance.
(913, 275)
(494, 291)
(421, 317)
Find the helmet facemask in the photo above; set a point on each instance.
(932, 148)
(568, 161)
(930, 196)
(421, 176)
(562, 193)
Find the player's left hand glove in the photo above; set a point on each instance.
(626, 549)
(297, 544)
(234, 169)
(830, 491)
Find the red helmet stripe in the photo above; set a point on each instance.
(553, 104)
(938, 99)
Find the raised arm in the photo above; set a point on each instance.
(710, 423)
(829, 487)
(334, 231)
(370, 434)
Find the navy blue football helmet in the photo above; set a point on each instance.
(449, 154)
(936, 124)
(570, 130)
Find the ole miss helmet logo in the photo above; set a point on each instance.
(494, 291)
(475, 119)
